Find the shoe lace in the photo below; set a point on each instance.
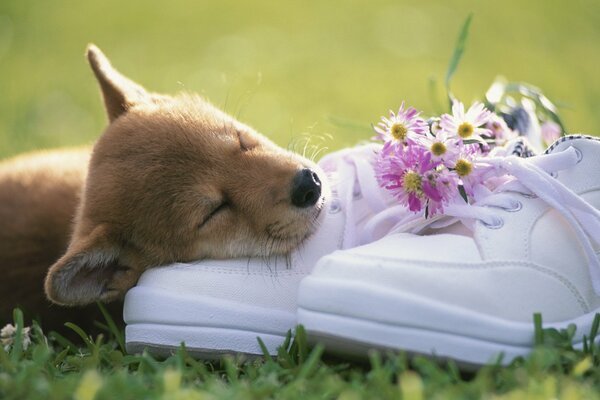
(529, 177)
(536, 177)
(355, 178)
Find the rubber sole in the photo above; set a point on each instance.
(353, 317)
(201, 342)
(160, 321)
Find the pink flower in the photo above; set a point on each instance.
(415, 179)
(400, 129)
(468, 171)
(402, 174)
(440, 186)
(499, 131)
(443, 148)
(427, 165)
(551, 131)
(466, 126)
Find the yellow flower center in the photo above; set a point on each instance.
(438, 149)
(465, 130)
(463, 167)
(398, 131)
(412, 182)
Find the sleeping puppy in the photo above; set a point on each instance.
(172, 179)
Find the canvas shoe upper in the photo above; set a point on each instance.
(221, 306)
(469, 290)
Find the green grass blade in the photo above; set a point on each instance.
(459, 49)
(594, 329)
(61, 340)
(86, 339)
(264, 350)
(301, 341)
(539, 331)
(5, 363)
(17, 346)
(117, 333)
(312, 362)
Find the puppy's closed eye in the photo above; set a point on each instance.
(223, 206)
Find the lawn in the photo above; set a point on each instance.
(290, 69)
(53, 367)
(287, 68)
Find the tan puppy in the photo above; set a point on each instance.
(171, 179)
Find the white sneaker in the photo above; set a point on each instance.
(468, 292)
(222, 306)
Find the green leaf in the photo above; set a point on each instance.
(459, 49)
(474, 141)
(463, 193)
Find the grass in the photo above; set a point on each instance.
(288, 68)
(52, 367)
(324, 69)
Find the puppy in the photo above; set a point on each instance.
(172, 179)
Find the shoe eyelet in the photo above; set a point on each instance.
(517, 206)
(554, 174)
(499, 223)
(529, 195)
(579, 155)
(335, 207)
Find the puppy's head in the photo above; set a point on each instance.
(175, 179)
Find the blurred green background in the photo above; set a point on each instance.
(287, 68)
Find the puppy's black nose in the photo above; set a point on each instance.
(306, 188)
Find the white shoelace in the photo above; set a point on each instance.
(532, 177)
(355, 178)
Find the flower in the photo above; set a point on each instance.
(440, 186)
(400, 129)
(469, 171)
(430, 164)
(403, 175)
(551, 131)
(89, 385)
(443, 148)
(466, 126)
(416, 179)
(8, 334)
(499, 130)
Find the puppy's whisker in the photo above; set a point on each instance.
(294, 142)
(226, 99)
(305, 146)
(317, 154)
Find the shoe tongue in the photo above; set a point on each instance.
(452, 228)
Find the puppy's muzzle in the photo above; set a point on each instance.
(306, 188)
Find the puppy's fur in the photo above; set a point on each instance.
(171, 179)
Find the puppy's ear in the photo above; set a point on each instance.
(89, 271)
(119, 92)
